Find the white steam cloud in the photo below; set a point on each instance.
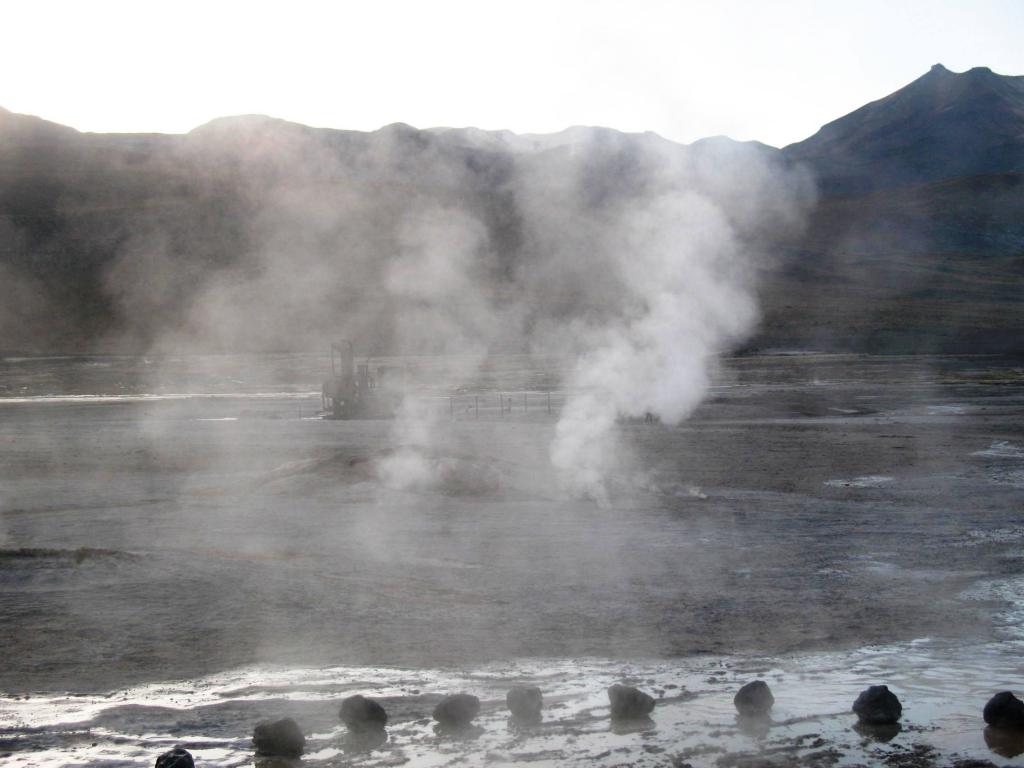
(659, 258)
(633, 257)
(683, 301)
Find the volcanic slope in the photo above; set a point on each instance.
(917, 241)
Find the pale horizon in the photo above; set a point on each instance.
(682, 70)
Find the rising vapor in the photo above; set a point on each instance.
(634, 257)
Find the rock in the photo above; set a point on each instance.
(457, 710)
(754, 699)
(878, 705)
(176, 758)
(525, 702)
(628, 703)
(361, 714)
(279, 738)
(1006, 711)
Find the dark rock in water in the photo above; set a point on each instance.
(1005, 742)
(629, 703)
(176, 758)
(525, 702)
(754, 699)
(1006, 711)
(878, 706)
(360, 713)
(457, 710)
(279, 738)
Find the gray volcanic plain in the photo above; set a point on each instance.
(815, 504)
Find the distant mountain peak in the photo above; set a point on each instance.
(398, 127)
(231, 122)
(721, 140)
(942, 125)
(939, 69)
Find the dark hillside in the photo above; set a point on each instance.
(940, 126)
(917, 241)
(255, 233)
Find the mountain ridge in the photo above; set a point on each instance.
(914, 188)
(943, 124)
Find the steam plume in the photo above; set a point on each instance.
(632, 256)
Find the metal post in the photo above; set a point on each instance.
(549, 402)
(526, 405)
(476, 405)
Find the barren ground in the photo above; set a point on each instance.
(813, 505)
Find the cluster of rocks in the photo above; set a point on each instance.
(176, 758)
(457, 711)
(875, 707)
(628, 703)
(362, 714)
(525, 702)
(754, 699)
(278, 738)
(1005, 712)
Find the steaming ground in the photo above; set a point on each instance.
(817, 516)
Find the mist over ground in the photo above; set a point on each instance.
(633, 256)
(811, 503)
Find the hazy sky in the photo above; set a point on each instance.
(774, 71)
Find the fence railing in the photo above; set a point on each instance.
(494, 405)
(519, 405)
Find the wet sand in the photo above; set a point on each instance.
(813, 511)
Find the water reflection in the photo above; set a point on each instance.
(467, 732)
(1004, 742)
(364, 740)
(277, 762)
(880, 732)
(521, 723)
(944, 684)
(623, 726)
(754, 726)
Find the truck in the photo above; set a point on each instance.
(354, 391)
